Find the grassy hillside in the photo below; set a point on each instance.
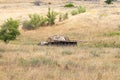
(96, 57)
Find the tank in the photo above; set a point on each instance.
(58, 40)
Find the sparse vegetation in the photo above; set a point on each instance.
(67, 52)
(60, 17)
(35, 22)
(63, 17)
(81, 9)
(115, 33)
(9, 30)
(74, 12)
(51, 16)
(107, 44)
(69, 5)
(95, 54)
(36, 62)
(108, 1)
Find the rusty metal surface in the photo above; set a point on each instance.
(58, 40)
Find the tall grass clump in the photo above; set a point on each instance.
(63, 17)
(69, 5)
(74, 12)
(51, 16)
(35, 21)
(81, 9)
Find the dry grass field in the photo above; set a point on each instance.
(96, 57)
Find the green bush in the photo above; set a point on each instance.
(81, 9)
(108, 1)
(9, 30)
(51, 16)
(74, 12)
(69, 5)
(34, 22)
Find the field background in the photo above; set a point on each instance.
(97, 56)
(23, 1)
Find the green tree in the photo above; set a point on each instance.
(9, 30)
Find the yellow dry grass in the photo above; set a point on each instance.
(23, 1)
(22, 59)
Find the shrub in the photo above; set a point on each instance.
(51, 16)
(9, 30)
(81, 9)
(34, 22)
(108, 1)
(74, 12)
(69, 5)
